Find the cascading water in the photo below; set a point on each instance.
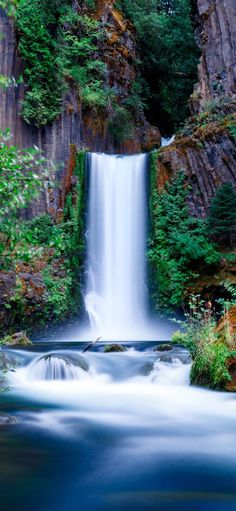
(116, 296)
(58, 367)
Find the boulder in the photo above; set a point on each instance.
(112, 348)
(17, 339)
(163, 347)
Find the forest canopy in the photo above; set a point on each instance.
(168, 54)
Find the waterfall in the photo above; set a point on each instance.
(116, 295)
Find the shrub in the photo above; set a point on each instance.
(210, 355)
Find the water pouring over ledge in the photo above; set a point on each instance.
(116, 297)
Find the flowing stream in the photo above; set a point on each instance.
(115, 431)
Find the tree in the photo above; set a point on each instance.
(221, 221)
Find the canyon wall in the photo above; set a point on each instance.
(205, 150)
(215, 28)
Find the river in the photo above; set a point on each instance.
(113, 431)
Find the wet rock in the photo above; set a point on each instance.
(8, 420)
(17, 339)
(183, 358)
(163, 347)
(112, 348)
(147, 368)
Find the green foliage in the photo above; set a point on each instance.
(217, 111)
(78, 37)
(19, 182)
(9, 6)
(52, 249)
(179, 245)
(210, 355)
(58, 45)
(35, 21)
(74, 215)
(91, 4)
(221, 221)
(39, 230)
(120, 124)
(6, 82)
(137, 99)
(169, 56)
(59, 294)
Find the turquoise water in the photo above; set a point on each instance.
(129, 433)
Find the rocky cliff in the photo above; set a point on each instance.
(206, 148)
(77, 125)
(215, 26)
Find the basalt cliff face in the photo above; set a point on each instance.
(215, 27)
(77, 125)
(205, 150)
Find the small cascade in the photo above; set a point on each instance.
(124, 369)
(167, 141)
(58, 367)
(175, 372)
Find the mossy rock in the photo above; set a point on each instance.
(113, 348)
(17, 339)
(163, 347)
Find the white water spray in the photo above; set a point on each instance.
(116, 294)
